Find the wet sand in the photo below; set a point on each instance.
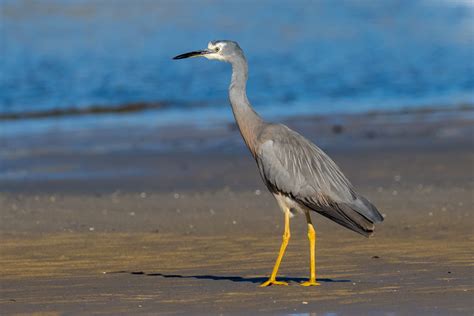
(92, 226)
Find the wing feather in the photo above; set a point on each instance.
(291, 165)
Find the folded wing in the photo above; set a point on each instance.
(293, 166)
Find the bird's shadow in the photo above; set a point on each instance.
(228, 277)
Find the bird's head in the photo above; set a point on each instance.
(219, 50)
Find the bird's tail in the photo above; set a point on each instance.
(359, 216)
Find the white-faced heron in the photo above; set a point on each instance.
(298, 173)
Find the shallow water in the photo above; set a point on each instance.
(305, 56)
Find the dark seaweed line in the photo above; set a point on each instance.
(91, 110)
(143, 106)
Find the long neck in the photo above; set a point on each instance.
(247, 119)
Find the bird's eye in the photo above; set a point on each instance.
(217, 49)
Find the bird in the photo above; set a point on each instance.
(301, 176)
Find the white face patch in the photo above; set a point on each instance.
(216, 48)
(212, 46)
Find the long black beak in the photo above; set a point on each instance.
(193, 54)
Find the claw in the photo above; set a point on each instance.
(310, 283)
(272, 282)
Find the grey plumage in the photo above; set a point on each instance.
(298, 173)
(293, 166)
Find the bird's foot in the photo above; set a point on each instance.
(272, 282)
(310, 282)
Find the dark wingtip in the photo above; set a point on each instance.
(375, 215)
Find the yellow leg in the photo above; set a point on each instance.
(286, 237)
(312, 246)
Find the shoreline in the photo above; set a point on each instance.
(110, 153)
(127, 108)
(162, 114)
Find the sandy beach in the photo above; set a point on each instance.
(175, 220)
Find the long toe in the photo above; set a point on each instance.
(273, 282)
(310, 283)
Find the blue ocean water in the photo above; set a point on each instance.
(305, 56)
